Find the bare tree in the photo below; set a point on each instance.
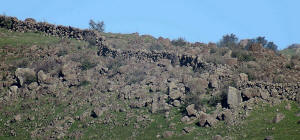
(99, 26)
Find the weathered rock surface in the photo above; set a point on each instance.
(206, 120)
(25, 75)
(191, 110)
(233, 97)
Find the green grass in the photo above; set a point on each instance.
(258, 125)
(25, 39)
(289, 52)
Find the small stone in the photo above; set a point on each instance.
(176, 103)
(269, 138)
(13, 89)
(172, 126)
(168, 134)
(167, 114)
(33, 86)
(31, 118)
(18, 117)
(278, 117)
(97, 112)
(154, 107)
(188, 129)
(185, 119)
(298, 115)
(288, 106)
(243, 77)
(217, 137)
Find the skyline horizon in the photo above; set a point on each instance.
(196, 21)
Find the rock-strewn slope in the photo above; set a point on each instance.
(85, 88)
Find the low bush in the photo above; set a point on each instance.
(86, 65)
(99, 26)
(135, 77)
(84, 83)
(242, 55)
(195, 99)
(29, 78)
(179, 42)
(48, 65)
(156, 47)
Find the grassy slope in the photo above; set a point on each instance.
(290, 52)
(257, 126)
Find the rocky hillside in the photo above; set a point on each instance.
(292, 50)
(60, 82)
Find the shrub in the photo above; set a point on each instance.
(272, 46)
(91, 39)
(113, 64)
(228, 41)
(135, 77)
(156, 47)
(216, 59)
(242, 55)
(84, 83)
(289, 66)
(5, 22)
(213, 50)
(86, 64)
(99, 26)
(179, 42)
(47, 65)
(29, 78)
(261, 40)
(265, 43)
(196, 100)
(62, 52)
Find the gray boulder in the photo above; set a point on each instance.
(191, 110)
(97, 112)
(217, 137)
(25, 76)
(233, 97)
(243, 77)
(174, 91)
(206, 120)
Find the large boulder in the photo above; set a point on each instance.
(43, 78)
(97, 112)
(191, 110)
(233, 97)
(206, 120)
(174, 91)
(227, 116)
(25, 76)
(243, 77)
(249, 93)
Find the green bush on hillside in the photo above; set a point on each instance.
(179, 42)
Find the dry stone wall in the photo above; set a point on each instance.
(289, 91)
(30, 25)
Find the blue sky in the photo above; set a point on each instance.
(195, 20)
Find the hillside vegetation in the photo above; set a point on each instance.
(65, 83)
